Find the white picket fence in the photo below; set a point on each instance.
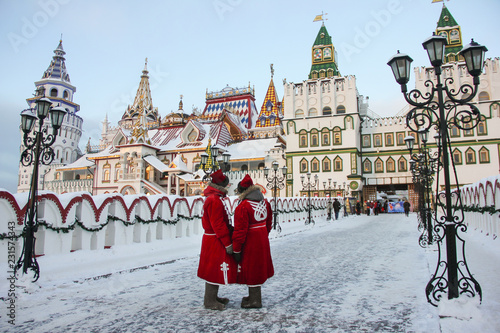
(79, 221)
(481, 203)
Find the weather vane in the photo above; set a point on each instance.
(272, 71)
(320, 17)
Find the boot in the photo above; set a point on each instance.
(210, 300)
(253, 300)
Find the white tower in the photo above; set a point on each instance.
(55, 85)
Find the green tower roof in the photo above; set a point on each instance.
(323, 38)
(446, 19)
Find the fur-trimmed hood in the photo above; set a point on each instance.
(212, 186)
(252, 193)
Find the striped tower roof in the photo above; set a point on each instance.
(57, 68)
(271, 109)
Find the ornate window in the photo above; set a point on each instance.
(470, 156)
(402, 164)
(457, 156)
(481, 128)
(390, 165)
(302, 139)
(454, 131)
(244, 167)
(340, 109)
(337, 164)
(484, 155)
(327, 111)
(400, 139)
(327, 165)
(337, 137)
(379, 165)
(304, 165)
(53, 92)
(367, 166)
(57, 176)
(299, 113)
(325, 137)
(313, 112)
(389, 139)
(377, 140)
(315, 165)
(484, 96)
(105, 173)
(366, 141)
(468, 131)
(118, 171)
(314, 138)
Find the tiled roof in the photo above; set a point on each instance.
(270, 118)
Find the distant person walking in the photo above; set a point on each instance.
(406, 207)
(252, 224)
(336, 208)
(217, 266)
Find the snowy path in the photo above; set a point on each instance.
(360, 274)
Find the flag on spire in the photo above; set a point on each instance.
(318, 18)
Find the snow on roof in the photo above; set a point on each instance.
(251, 148)
(81, 163)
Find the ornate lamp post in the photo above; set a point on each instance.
(275, 182)
(38, 150)
(214, 165)
(309, 186)
(430, 109)
(424, 166)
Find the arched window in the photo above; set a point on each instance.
(470, 156)
(337, 164)
(304, 166)
(367, 166)
(315, 165)
(53, 92)
(484, 96)
(337, 137)
(327, 111)
(391, 165)
(261, 166)
(484, 155)
(303, 138)
(340, 109)
(402, 164)
(454, 131)
(481, 128)
(325, 137)
(244, 167)
(65, 94)
(379, 165)
(57, 176)
(299, 113)
(118, 171)
(106, 170)
(314, 138)
(313, 112)
(327, 165)
(457, 156)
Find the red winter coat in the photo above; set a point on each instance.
(252, 224)
(216, 266)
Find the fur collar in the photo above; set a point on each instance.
(252, 188)
(218, 187)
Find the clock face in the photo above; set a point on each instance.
(317, 54)
(327, 52)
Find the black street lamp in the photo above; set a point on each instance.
(38, 150)
(275, 182)
(423, 166)
(215, 165)
(430, 109)
(309, 186)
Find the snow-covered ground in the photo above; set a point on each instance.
(357, 274)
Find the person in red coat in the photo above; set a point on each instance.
(217, 266)
(252, 224)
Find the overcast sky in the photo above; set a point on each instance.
(193, 46)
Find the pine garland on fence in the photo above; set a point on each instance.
(474, 208)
